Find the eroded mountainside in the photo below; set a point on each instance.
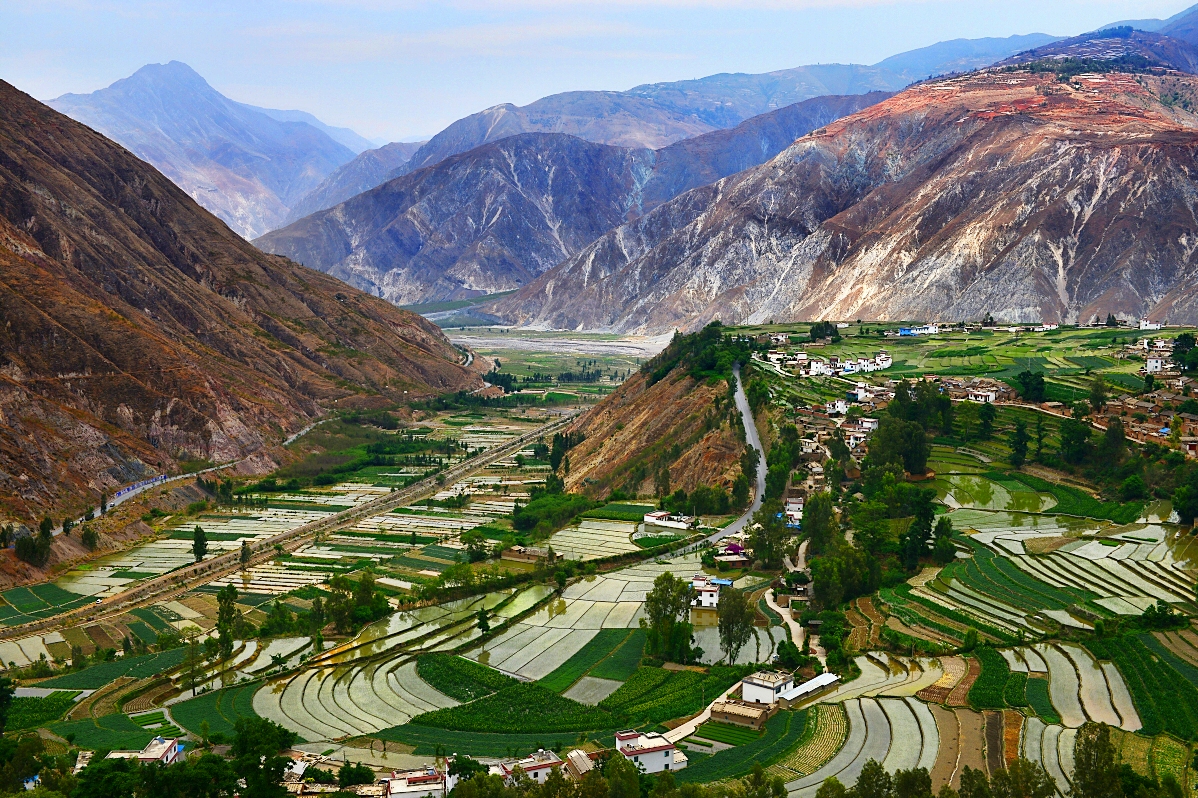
(1004, 192)
(496, 217)
(240, 162)
(139, 329)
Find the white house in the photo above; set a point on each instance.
(794, 511)
(168, 751)
(707, 592)
(883, 360)
(837, 407)
(538, 766)
(1161, 345)
(869, 424)
(984, 396)
(423, 783)
(649, 751)
(1154, 364)
(1145, 324)
(764, 687)
(820, 368)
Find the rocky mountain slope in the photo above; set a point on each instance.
(494, 218)
(1004, 192)
(1117, 43)
(237, 161)
(139, 330)
(657, 114)
(371, 168)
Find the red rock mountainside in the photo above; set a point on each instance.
(631, 435)
(1002, 192)
(138, 329)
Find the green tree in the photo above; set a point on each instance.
(352, 775)
(193, 665)
(1023, 779)
(667, 616)
(256, 756)
(1031, 386)
(734, 614)
(967, 414)
(227, 616)
(246, 554)
(7, 690)
(768, 533)
(819, 522)
(199, 543)
(1018, 440)
(89, 538)
(987, 413)
(1075, 441)
(900, 441)
(1098, 393)
(1040, 435)
(1095, 766)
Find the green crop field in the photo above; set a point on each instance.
(109, 732)
(1166, 700)
(726, 733)
(520, 709)
(29, 712)
(783, 732)
(1038, 700)
(597, 648)
(428, 741)
(988, 692)
(460, 678)
(97, 676)
(624, 661)
(653, 695)
(221, 708)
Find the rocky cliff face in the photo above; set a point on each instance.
(139, 330)
(239, 162)
(1002, 192)
(494, 218)
(369, 169)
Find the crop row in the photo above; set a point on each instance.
(828, 733)
(104, 673)
(460, 678)
(625, 660)
(914, 615)
(524, 708)
(428, 741)
(108, 732)
(1039, 700)
(597, 648)
(998, 567)
(1164, 700)
(783, 732)
(905, 591)
(655, 694)
(221, 708)
(31, 712)
(988, 690)
(1015, 692)
(727, 733)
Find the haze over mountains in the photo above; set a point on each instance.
(140, 330)
(494, 218)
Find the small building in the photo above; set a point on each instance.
(537, 766)
(984, 396)
(808, 690)
(794, 512)
(664, 519)
(1154, 364)
(764, 687)
(1190, 446)
(707, 592)
(1145, 324)
(869, 424)
(837, 407)
(742, 713)
(649, 751)
(422, 783)
(167, 751)
(579, 763)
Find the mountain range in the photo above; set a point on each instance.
(1003, 192)
(140, 331)
(495, 217)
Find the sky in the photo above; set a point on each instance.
(400, 70)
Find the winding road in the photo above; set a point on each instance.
(746, 415)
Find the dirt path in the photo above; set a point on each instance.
(950, 747)
(796, 631)
(972, 742)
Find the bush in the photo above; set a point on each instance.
(547, 513)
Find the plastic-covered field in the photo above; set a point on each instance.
(1080, 687)
(539, 644)
(370, 683)
(594, 538)
(886, 675)
(898, 732)
(1052, 746)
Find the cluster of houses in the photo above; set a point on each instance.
(803, 365)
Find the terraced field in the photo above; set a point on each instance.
(370, 683)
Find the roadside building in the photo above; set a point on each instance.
(799, 694)
(742, 713)
(423, 783)
(537, 766)
(707, 591)
(163, 750)
(764, 687)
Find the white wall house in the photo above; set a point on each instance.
(707, 593)
(1154, 364)
(649, 751)
(764, 687)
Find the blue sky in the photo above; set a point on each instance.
(401, 69)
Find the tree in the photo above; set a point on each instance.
(7, 689)
(1133, 488)
(1023, 779)
(46, 528)
(89, 538)
(900, 441)
(484, 625)
(943, 551)
(1111, 321)
(819, 523)
(1095, 766)
(353, 775)
(1018, 440)
(734, 613)
(967, 414)
(1114, 441)
(1075, 441)
(227, 616)
(1098, 393)
(667, 616)
(193, 671)
(1031, 386)
(768, 533)
(256, 758)
(199, 543)
(246, 554)
(987, 413)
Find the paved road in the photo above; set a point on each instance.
(688, 728)
(746, 415)
(796, 630)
